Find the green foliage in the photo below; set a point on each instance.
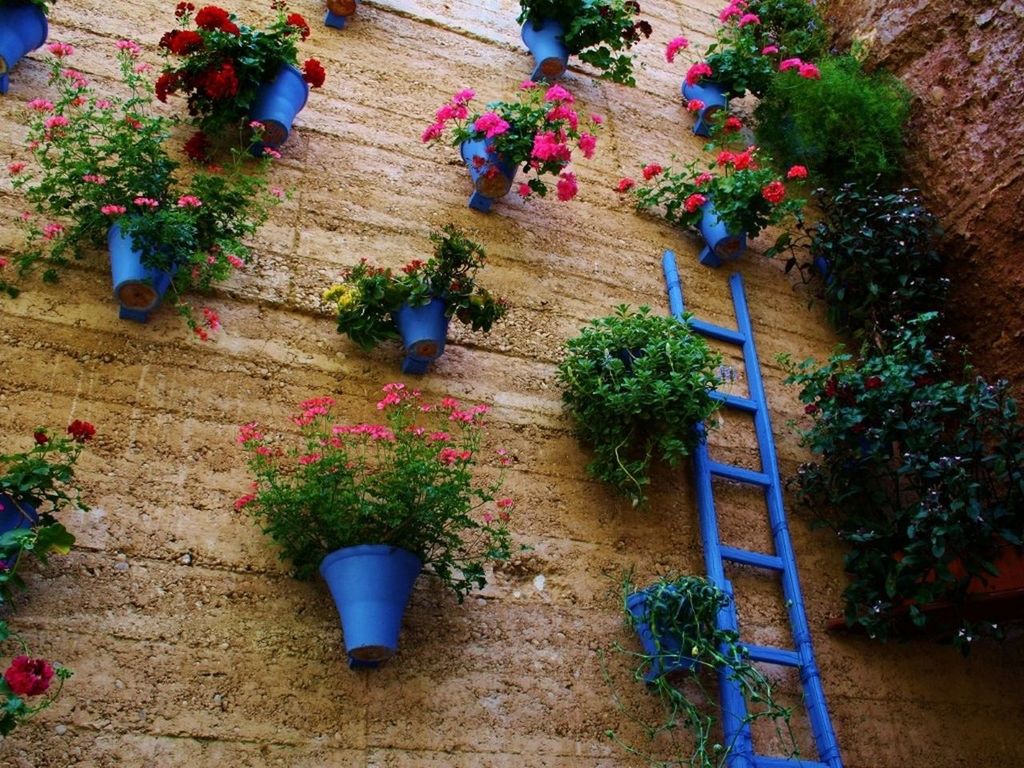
(918, 466)
(95, 153)
(636, 385)
(846, 126)
(43, 5)
(219, 101)
(368, 296)
(409, 484)
(883, 266)
(681, 613)
(515, 129)
(737, 183)
(594, 30)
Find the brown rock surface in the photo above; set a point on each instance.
(962, 59)
(190, 644)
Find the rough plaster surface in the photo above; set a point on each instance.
(190, 644)
(962, 60)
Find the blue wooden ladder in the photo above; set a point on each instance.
(734, 708)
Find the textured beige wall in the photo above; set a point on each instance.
(190, 644)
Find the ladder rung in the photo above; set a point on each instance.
(734, 401)
(716, 331)
(752, 558)
(782, 762)
(729, 472)
(779, 656)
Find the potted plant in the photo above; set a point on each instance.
(729, 200)
(636, 385)
(532, 133)
(233, 74)
(676, 620)
(591, 29)
(103, 176)
(35, 485)
(339, 11)
(23, 28)
(753, 42)
(370, 505)
(374, 304)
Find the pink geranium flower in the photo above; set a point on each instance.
(697, 71)
(789, 64)
(567, 186)
(587, 144)
(809, 71)
(491, 124)
(675, 45)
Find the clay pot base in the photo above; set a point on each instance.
(371, 653)
(137, 296)
(341, 7)
(493, 187)
(274, 134)
(552, 68)
(425, 349)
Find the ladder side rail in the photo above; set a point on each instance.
(821, 724)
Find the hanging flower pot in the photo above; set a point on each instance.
(660, 644)
(276, 105)
(492, 176)
(713, 96)
(423, 330)
(338, 12)
(137, 288)
(23, 28)
(15, 515)
(721, 244)
(546, 40)
(371, 585)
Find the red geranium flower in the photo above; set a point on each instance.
(165, 84)
(40, 437)
(198, 146)
(28, 677)
(211, 17)
(81, 431)
(221, 83)
(296, 20)
(313, 73)
(774, 192)
(181, 41)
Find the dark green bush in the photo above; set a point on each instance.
(918, 466)
(846, 126)
(878, 258)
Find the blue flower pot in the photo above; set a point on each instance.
(15, 515)
(371, 585)
(276, 105)
(137, 288)
(714, 98)
(23, 28)
(721, 244)
(492, 176)
(423, 330)
(664, 650)
(546, 40)
(338, 12)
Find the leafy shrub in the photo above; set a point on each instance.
(636, 384)
(847, 125)
(879, 258)
(919, 469)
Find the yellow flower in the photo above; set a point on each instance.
(335, 292)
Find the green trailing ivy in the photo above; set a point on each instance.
(681, 614)
(636, 385)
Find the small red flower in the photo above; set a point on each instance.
(732, 124)
(412, 266)
(28, 677)
(165, 84)
(211, 17)
(774, 192)
(797, 172)
(651, 171)
(198, 146)
(182, 42)
(313, 73)
(81, 431)
(625, 185)
(220, 83)
(296, 20)
(810, 409)
(693, 202)
(40, 437)
(873, 382)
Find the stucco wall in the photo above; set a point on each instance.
(190, 644)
